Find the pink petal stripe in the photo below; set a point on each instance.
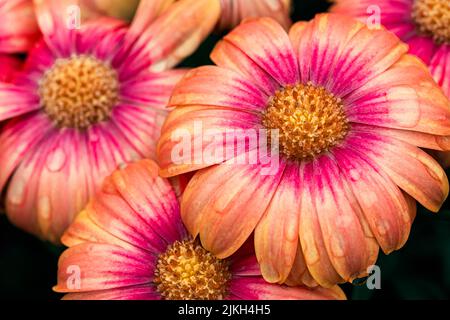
(151, 89)
(229, 90)
(102, 266)
(101, 38)
(18, 27)
(349, 242)
(310, 233)
(58, 31)
(256, 288)
(152, 198)
(440, 68)
(140, 127)
(198, 137)
(403, 97)
(220, 231)
(410, 168)
(228, 56)
(265, 42)
(62, 187)
(18, 137)
(172, 36)
(382, 202)
(138, 292)
(15, 101)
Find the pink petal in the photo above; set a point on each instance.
(410, 168)
(138, 292)
(221, 202)
(276, 235)
(102, 266)
(265, 42)
(349, 242)
(15, 100)
(256, 288)
(198, 137)
(403, 97)
(18, 27)
(440, 68)
(172, 36)
(383, 204)
(18, 137)
(230, 90)
(229, 56)
(311, 239)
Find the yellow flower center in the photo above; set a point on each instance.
(186, 271)
(78, 92)
(433, 18)
(310, 120)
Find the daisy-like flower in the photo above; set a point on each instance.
(234, 11)
(423, 24)
(18, 26)
(130, 244)
(351, 108)
(90, 97)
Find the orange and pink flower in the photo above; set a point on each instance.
(352, 110)
(90, 97)
(130, 244)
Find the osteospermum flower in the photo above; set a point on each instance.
(423, 24)
(130, 243)
(234, 11)
(90, 97)
(351, 108)
(18, 27)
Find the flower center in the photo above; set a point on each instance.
(186, 271)
(310, 120)
(433, 18)
(78, 92)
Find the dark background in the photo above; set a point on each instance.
(421, 270)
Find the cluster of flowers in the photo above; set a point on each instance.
(90, 108)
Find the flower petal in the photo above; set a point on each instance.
(18, 28)
(15, 100)
(349, 242)
(276, 235)
(265, 42)
(198, 137)
(102, 266)
(256, 288)
(138, 216)
(174, 35)
(403, 97)
(342, 54)
(410, 168)
(230, 90)
(310, 233)
(138, 292)
(18, 136)
(228, 56)
(440, 68)
(384, 206)
(243, 187)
